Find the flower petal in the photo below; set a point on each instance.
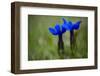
(67, 25)
(57, 27)
(53, 31)
(63, 29)
(76, 25)
(70, 25)
(64, 21)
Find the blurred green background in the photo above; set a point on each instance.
(42, 45)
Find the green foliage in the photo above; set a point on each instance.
(42, 45)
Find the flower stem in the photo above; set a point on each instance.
(71, 38)
(60, 46)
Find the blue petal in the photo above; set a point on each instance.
(68, 25)
(76, 25)
(64, 21)
(53, 31)
(64, 25)
(63, 29)
(57, 27)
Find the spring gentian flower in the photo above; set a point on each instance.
(58, 31)
(68, 25)
(71, 26)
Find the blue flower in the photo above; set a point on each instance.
(57, 30)
(71, 26)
